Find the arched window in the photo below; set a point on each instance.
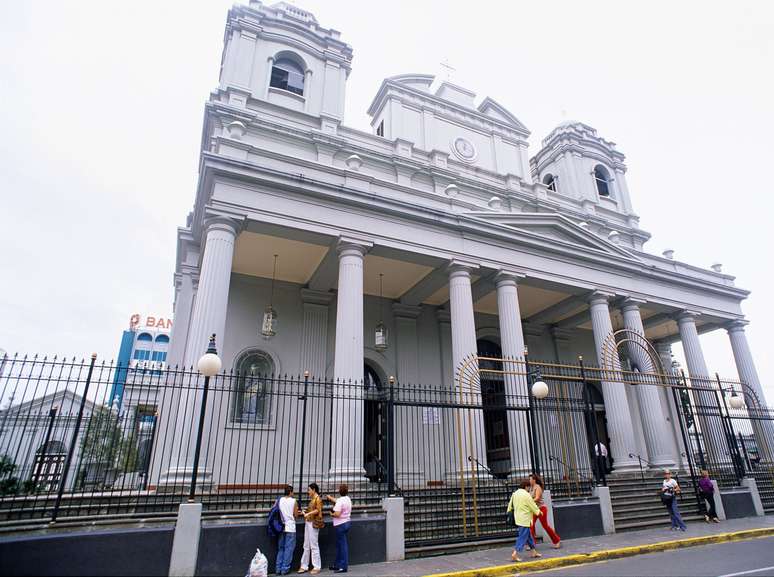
(286, 74)
(160, 348)
(602, 178)
(251, 395)
(143, 346)
(550, 181)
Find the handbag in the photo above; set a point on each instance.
(667, 499)
(509, 520)
(318, 523)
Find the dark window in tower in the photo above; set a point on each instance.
(287, 75)
(380, 129)
(602, 178)
(550, 181)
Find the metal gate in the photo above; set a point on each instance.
(442, 439)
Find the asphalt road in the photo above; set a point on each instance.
(754, 558)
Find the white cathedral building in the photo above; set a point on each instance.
(437, 222)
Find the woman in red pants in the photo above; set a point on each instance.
(536, 490)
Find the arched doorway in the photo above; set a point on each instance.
(374, 426)
(498, 449)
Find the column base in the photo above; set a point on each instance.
(410, 479)
(353, 476)
(178, 479)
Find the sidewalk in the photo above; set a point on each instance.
(502, 555)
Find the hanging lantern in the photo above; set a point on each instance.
(381, 338)
(269, 325)
(381, 342)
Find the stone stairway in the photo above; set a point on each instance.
(637, 503)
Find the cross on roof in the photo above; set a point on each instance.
(449, 68)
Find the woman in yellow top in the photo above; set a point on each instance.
(524, 508)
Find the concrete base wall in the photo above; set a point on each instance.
(227, 549)
(224, 549)
(112, 552)
(578, 519)
(738, 504)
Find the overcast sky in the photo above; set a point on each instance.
(102, 103)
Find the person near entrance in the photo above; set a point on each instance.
(288, 507)
(536, 492)
(342, 511)
(313, 522)
(670, 489)
(707, 491)
(600, 455)
(524, 508)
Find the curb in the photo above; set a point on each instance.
(584, 558)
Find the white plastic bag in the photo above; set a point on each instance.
(259, 566)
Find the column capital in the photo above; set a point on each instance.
(314, 297)
(600, 296)
(686, 316)
(349, 245)
(224, 223)
(505, 277)
(406, 311)
(736, 326)
(631, 304)
(461, 266)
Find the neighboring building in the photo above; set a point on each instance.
(24, 428)
(478, 247)
(142, 353)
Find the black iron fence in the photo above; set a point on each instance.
(86, 439)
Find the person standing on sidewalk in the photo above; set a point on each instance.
(524, 508)
(313, 522)
(342, 511)
(707, 491)
(288, 507)
(670, 489)
(536, 492)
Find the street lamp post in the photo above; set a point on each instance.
(209, 365)
(538, 390)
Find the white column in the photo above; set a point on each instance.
(307, 89)
(470, 439)
(512, 345)
(182, 319)
(679, 451)
(409, 468)
(314, 357)
(619, 419)
(764, 429)
(208, 317)
(269, 66)
(714, 443)
(654, 423)
(347, 425)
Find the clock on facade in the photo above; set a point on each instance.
(464, 149)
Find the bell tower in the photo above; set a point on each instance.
(576, 163)
(280, 54)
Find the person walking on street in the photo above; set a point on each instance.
(707, 491)
(536, 492)
(288, 507)
(313, 522)
(524, 508)
(342, 511)
(670, 489)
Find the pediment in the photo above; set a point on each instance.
(495, 110)
(553, 229)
